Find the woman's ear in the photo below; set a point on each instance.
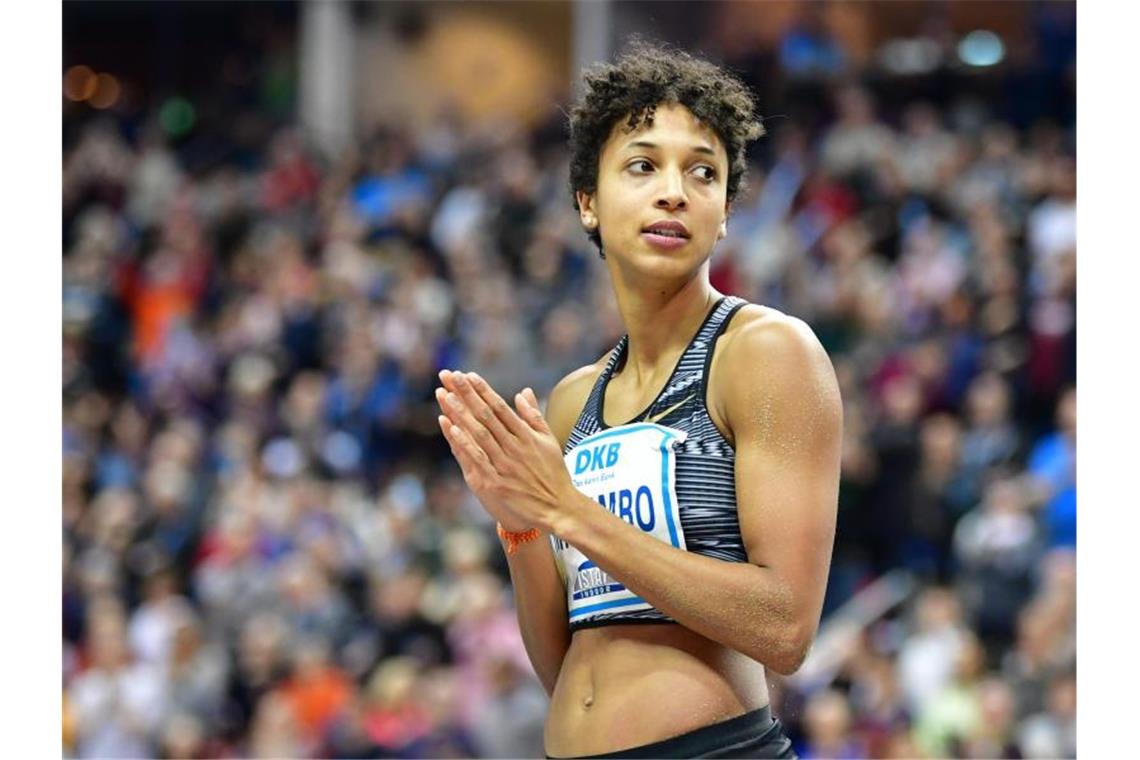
(724, 223)
(586, 210)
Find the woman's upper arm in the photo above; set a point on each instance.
(781, 400)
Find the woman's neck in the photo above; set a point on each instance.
(660, 322)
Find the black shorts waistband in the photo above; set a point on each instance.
(753, 734)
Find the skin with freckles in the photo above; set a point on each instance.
(771, 392)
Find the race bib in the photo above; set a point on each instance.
(630, 471)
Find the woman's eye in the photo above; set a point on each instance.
(707, 173)
(641, 166)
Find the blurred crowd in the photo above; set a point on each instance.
(268, 551)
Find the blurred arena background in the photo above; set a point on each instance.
(281, 219)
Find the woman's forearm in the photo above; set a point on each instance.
(738, 604)
(540, 602)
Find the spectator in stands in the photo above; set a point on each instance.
(857, 141)
(118, 702)
(828, 722)
(1053, 469)
(1053, 733)
(926, 659)
(954, 713)
(997, 546)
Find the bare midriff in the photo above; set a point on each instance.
(622, 686)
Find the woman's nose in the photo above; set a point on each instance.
(672, 192)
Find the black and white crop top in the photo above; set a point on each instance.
(669, 472)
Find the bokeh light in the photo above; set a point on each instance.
(79, 83)
(106, 91)
(177, 116)
(981, 48)
(919, 55)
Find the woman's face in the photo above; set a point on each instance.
(675, 172)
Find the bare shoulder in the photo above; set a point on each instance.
(569, 395)
(768, 357)
(763, 333)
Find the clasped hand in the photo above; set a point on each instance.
(509, 457)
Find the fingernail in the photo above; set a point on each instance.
(460, 379)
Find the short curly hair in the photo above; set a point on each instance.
(646, 75)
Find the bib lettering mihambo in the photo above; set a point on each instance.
(630, 471)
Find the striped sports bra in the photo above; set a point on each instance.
(668, 471)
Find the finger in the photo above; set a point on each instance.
(502, 410)
(478, 458)
(447, 377)
(530, 412)
(452, 381)
(463, 449)
(485, 413)
(460, 415)
(447, 426)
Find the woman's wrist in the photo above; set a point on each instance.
(514, 526)
(513, 539)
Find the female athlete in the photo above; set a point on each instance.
(669, 520)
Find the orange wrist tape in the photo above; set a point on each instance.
(515, 538)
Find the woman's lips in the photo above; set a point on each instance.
(668, 242)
